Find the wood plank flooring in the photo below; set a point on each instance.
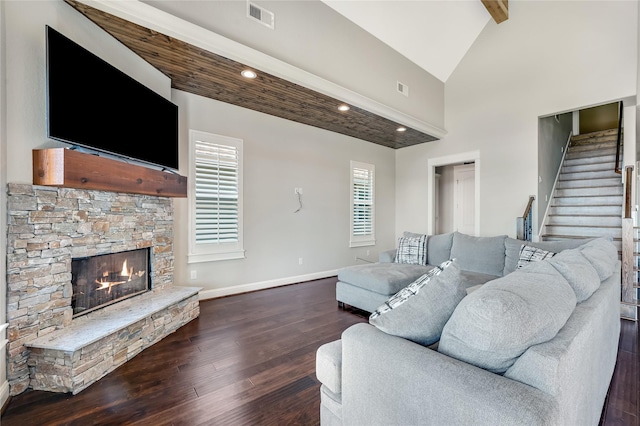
(248, 360)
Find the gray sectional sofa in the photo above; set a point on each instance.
(535, 345)
(481, 259)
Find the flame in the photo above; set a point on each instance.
(126, 275)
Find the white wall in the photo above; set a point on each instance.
(553, 133)
(280, 155)
(25, 70)
(4, 384)
(549, 57)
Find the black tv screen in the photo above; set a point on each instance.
(92, 104)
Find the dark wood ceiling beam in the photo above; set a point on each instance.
(199, 71)
(498, 9)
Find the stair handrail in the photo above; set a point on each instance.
(618, 169)
(524, 224)
(628, 188)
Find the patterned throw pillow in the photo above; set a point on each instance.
(411, 290)
(412, 250)
(530, 254)
(420, 311)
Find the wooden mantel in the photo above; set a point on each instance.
(68, 168)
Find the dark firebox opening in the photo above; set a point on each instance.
(98, 281)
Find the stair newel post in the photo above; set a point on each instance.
(629, 299)
(628, 307)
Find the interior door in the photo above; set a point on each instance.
(464, 199)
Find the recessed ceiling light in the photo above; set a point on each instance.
(401, 129)
(249, 74)
(343, 107)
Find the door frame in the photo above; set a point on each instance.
(457, 194)
(432, 163)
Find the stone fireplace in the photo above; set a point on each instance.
(60, 341)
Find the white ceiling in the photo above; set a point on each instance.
(434, 34)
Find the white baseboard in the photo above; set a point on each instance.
(244, 288)
(4, 393)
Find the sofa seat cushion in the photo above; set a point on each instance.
(382, 278)
(479, 254)
(472, 279)
(419, 311)
(495, 324)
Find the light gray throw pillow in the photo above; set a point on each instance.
(577, 270)
(420, 311)
(479, 254)
(495, 324)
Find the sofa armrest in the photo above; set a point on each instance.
(388, 256)
(390, 380)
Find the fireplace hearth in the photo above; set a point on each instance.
(101, 280)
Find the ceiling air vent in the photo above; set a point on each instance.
(403, 88)
(261, 15)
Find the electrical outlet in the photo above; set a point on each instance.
(368, 252)
(299, 261)
(297, 191)
(194, 275)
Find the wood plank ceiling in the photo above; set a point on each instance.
(195, 70)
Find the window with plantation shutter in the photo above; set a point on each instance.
(362, 204)
(215, 198)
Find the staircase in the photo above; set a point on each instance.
(588, 197)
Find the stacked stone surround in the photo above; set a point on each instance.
(71, 359)
(47, 228)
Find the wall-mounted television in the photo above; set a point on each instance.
(94, 105)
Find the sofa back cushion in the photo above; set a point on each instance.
(578, 271)
(603, 255)
(479, 254)
(512, 249)
(495, 324)
(439, 248)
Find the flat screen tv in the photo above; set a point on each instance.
(92, 104)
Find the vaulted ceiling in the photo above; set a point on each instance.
(434, 34)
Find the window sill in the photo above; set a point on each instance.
(215, 257)
(363, 243)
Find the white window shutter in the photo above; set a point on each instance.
(215, 197)
(362, 204)
(216, 193)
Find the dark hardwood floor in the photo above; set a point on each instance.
(248, 360)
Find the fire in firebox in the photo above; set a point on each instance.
(101, 280)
